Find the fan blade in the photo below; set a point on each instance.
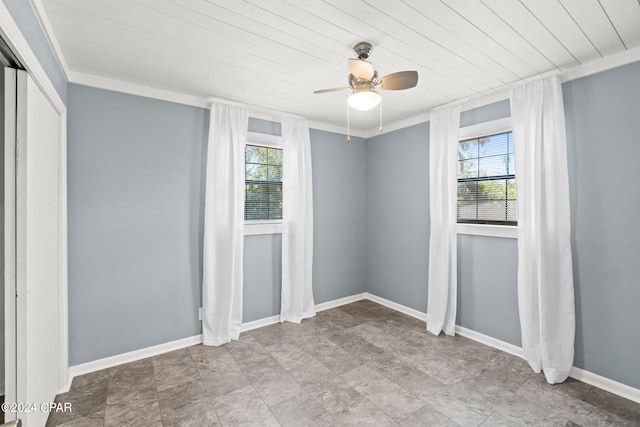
(335, 89)
(363, 70)
(398, 81)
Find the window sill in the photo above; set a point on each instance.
(504, 231)
(255, 228)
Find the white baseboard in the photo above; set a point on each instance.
(587, 377)
(397, 307)
(490, 341)
(259, 323)
(611, 386)
(595, 380)
(340, 301)
(132, 356)
(255, 324)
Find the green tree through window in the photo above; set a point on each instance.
(263, 183)
(486, 180)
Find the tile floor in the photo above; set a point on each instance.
(359, 364)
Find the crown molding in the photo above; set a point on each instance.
(493, 95)
(129, 88)
(468, 103)
(276, 116)
(45, 24)
(594, 67)
(342, 130)
(399, 124)
(603, 64)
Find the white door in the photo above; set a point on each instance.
(9, 210)
(38, 234)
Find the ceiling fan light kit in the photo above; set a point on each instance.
(364, 98)
(363, 81)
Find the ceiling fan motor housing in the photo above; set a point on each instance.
(364, 78)
(363, 50)
(353, 80)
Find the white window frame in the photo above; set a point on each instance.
(475, 131)
(263, 226)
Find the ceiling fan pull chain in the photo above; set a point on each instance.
(380, 108)
(348, 128)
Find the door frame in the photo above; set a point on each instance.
(10, 283)
(12, 35)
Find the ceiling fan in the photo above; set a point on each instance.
(363, 80)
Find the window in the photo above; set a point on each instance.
(263, 183)
(486, 180)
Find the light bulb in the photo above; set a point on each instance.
(364, 98)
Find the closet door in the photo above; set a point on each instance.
(8, 118)
(38, 300)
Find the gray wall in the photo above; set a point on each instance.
(398, 234)
(487, 291)
(135, 202)
(262, 258)
(603, 125)
(602, 137)
(135, 220)
(339, 215)
(398, 216)
(25, 18)
(136, 171)
(136, 179)
(488, 266)
(486, 113)
(339, 228)
(262, 276)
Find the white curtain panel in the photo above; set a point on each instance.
(443, 184)
(545, 276)
(224, 225)
(297, 220)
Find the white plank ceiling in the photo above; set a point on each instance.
(272, 54)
